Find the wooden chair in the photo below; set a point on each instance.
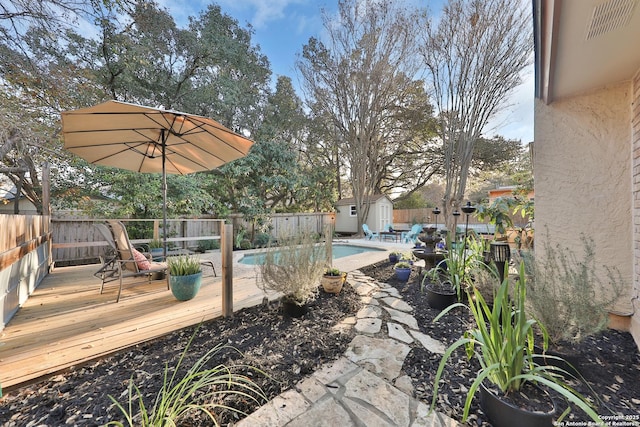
(124, 260)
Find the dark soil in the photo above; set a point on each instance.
(609, 363)
(288, 350)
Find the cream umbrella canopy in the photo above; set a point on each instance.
(150, 140)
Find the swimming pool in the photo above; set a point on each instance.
(338, 251)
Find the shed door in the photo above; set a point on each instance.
(384, 215)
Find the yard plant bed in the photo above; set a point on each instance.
(290, 349)
(610, 362)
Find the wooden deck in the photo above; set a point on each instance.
(67, 322)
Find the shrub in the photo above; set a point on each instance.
(261, 240)
(294, 268)
(567, 295)
(207, 245)
(245, 244)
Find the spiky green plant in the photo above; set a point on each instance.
(199, 390)
(183, 265)
(503, 342)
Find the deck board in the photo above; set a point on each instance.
(67, 321)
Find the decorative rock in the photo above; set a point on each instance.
(397, 304)
(370, 300)
(278, 412)
(397, 332)
(431, 344)
(404, 384)
(369, 325)
(342, 367)
(363, 289)
(383, 357)
(375, 402)
(368, 311)
(402, 317)
(329, 411)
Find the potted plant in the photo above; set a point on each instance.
(185, 276)
(294, 269)
(156, 249)
(403, 270)
(502, 339)
(394, 257)
(332, 280)
(439, 293)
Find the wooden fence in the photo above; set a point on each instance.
(77, 241)
(25, 258)
(283, 223)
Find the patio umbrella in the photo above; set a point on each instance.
(150, 140)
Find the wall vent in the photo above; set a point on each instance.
(610, 16)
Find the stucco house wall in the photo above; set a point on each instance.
(635, 135)
(583, 171)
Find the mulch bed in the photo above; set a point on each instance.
(610, 362)
(290, 349)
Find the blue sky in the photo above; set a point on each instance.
(282, 27)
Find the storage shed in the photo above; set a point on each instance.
(380, 214)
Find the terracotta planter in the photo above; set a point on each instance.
(503, 414)
(333, 284)
(185, 288)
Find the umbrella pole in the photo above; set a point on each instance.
(164, 195)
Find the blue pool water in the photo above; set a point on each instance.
(338, 251)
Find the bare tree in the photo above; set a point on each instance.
(474, 55)
(363, 82)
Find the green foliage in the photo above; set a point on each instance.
(498, 213)
(155, 244)
(201, 389)
(502, 339)
(568, 294)
(294, 268)
(332, 272)
(413, 200)
(183, 265)
(207, 245)
(261, 240)
(245, 244)
(401, 265)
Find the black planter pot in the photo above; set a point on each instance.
(504, 414)
(291, 309)
(439, 299)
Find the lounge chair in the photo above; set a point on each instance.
(124, 260)
(368, 234)
(411, 236)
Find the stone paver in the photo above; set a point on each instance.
(365, 387)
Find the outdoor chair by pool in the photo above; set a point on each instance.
(368, 234)
(124, 260)
(411, 236)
